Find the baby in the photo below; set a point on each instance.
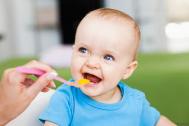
(104, 52)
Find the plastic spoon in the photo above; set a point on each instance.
(39, 72)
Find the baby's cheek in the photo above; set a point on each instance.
(76, 70)
(113, 74)
(108, 69)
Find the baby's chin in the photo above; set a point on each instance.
(91, 92)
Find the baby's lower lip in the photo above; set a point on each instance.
(92, 84)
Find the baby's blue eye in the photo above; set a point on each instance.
(109, 58)
(83, 50)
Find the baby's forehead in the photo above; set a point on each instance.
(112, 21)
(114, 31)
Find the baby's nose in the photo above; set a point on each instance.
(93, 62)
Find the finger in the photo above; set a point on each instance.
(39, 65)
(51, 85)
(28, 82)
(41, 83)
(46, 89)
(6, 73)
(15, 77)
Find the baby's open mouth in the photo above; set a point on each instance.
(92, 78)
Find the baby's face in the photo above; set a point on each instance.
(101, 54)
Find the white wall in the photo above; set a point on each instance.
(5, 45)
(18, 21)
(23, 19)
(48, 34)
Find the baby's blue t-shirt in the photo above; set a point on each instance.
(69, 106)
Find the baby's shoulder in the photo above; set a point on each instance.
(133, 92)
(65, 91)
(136, 92)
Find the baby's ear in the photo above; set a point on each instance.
(130, 69)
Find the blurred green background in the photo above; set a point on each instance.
(163, 78)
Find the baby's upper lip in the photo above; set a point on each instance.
(92, 74)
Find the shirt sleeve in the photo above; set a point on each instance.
(149, 115)
(59, 110)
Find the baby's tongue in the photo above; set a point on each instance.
(92, 78)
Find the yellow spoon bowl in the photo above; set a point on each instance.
(83, 81)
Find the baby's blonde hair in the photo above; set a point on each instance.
(118, 16)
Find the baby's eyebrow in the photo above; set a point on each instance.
(81, 44)
(113, 52)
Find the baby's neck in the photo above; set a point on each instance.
(110, 97)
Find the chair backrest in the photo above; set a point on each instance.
(30, 116)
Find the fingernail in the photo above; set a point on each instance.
(51, 75)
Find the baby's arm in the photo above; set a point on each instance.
(49, 124)
(163, 121)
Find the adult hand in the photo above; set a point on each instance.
(17, 91)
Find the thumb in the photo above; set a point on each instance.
(41, 83)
